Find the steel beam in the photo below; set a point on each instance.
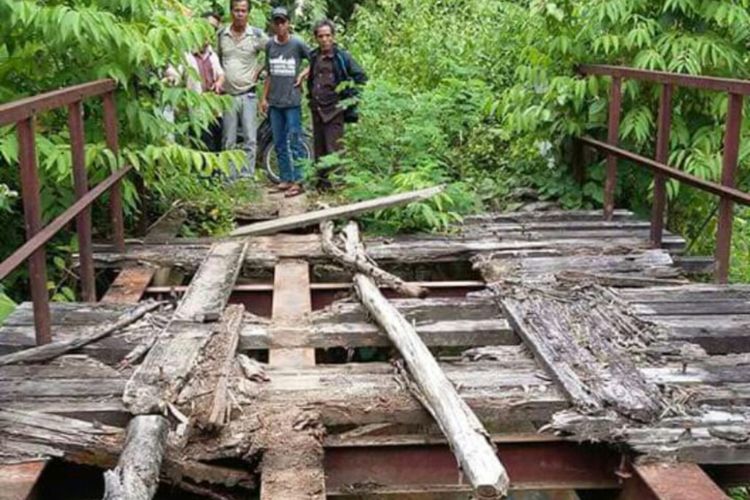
(662, 156)
(613, 134)
(394, 469)
(659, 481)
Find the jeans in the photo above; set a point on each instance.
(244, 107)
(286, 125)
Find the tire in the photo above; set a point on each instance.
(268, 156)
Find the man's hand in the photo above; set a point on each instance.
(302, 77)
(264, 106)
(217, 87)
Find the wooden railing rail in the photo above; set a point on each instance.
(22, 112)
(726, 191)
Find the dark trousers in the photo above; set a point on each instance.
(212, 136)
(327, 136)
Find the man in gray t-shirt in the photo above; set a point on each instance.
(282, 99)
(239, 46)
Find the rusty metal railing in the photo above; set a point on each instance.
(22, 113)
(726, 191)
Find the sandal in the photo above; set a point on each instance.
(295, 190)
(280, 187)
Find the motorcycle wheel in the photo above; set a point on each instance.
(268, 157)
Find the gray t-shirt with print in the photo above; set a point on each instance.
(284, 63)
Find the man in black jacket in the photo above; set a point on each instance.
(329, 67)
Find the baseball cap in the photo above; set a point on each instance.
(279, 12)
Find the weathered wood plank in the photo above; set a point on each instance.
(575, 334)
(158, 380)
(210, 377)
(211, 286)
(59, 347)
(292, 465)
(291, 308)
(318, 216)
(98, 445)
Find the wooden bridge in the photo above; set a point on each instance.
(590, 355)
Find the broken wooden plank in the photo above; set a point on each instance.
(211, 286)
(158, 380)
(347, 211)
(291, 309)
(136, 476)
(92, 443)
(576, 334)
(54, 349)
(209, 381)
(360, 264)
(462, 428)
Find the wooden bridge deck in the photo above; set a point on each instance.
(353, 428)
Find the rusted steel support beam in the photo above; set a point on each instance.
(710, 187)
(660, 481)
(81, 186)
(734, 86)
(728, 175)
(24, 109)
(662, 156)
(37, 242)
(393, 469)
(115, 194)
(613, 133)
(18, 481)
(33, 221)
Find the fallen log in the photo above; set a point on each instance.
(360, 263)
(465, 433)
(345, 211)
(136, 476)
(54, 349)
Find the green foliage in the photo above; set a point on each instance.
(549, 102)
(7, 306)
(49, 45)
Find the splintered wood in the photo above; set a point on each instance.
(581, 337)
(158, 380)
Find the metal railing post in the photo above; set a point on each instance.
(33, 222)
(81, 184)
(728, 175)
(662, 155)
(115, 194)
(613, 133)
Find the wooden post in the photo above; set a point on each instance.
(728, 174)
(613, 133)
(662, 155)
(115, 194)
(81, 184)
(32, 213)
(465, 433)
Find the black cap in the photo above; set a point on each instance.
(279, 12)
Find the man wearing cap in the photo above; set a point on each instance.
(239, 46)
(282, 99)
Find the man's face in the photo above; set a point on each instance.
(281, 26)
(324, 37)
(239, 13)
